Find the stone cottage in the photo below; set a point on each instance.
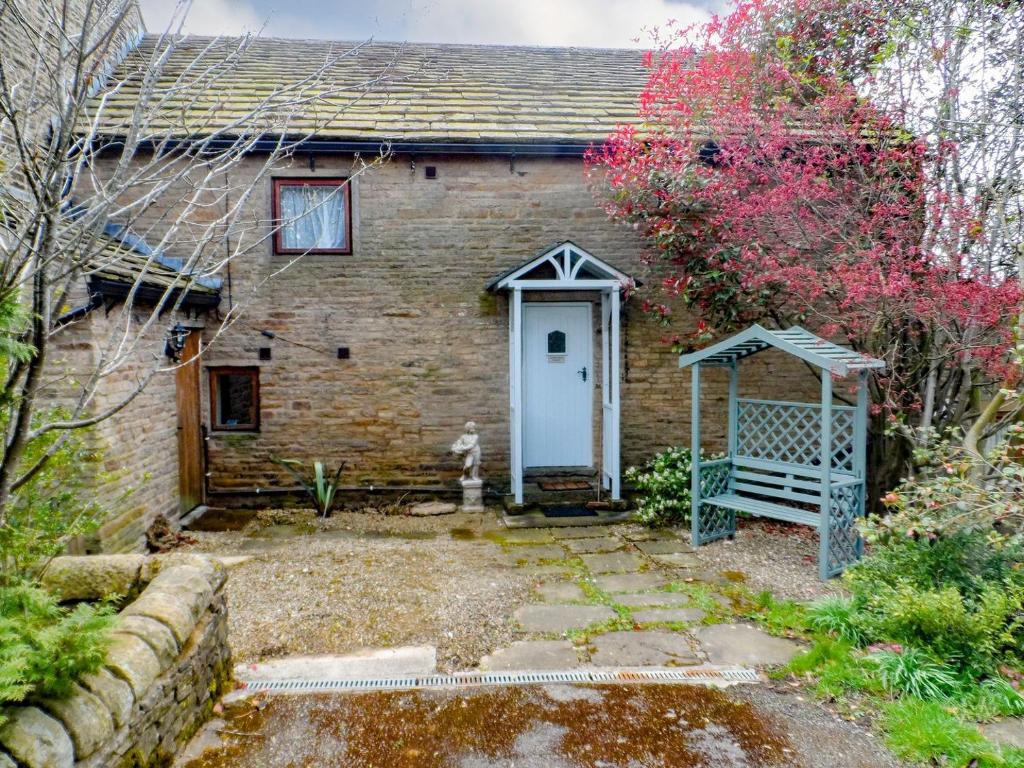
(471, 275)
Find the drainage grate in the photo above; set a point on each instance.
(692, 675)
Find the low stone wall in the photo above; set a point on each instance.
(168, 664)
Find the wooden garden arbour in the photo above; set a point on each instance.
(785, 459)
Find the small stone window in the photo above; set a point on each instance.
(235, 398)
(556, 343)
(312, 215)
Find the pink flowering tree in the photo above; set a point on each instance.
(781, 191)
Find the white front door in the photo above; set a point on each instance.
(558, 385)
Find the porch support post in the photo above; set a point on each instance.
(516, 392)
(860, 429)
(615, 381)
(860, 448)
(734, 386)
(826, 473)
(695, 454)
(606, 392)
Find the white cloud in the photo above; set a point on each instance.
(611, 23)
(208, 17)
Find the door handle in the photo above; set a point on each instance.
(583, 372)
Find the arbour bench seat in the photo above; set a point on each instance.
(777, 490)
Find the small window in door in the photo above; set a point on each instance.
(556, 343)
(235, 398)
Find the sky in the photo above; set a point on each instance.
(592, 23)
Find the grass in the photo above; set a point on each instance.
(939, 730)
(922, 730)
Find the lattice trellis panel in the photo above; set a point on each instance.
(791, 433)
(714, 522)
(844, 542)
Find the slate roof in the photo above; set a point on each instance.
(416, 92)
(126, 258)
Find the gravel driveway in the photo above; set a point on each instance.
(367, 580)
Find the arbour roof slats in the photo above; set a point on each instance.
(796, 341)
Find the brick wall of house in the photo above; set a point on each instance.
(428, 344)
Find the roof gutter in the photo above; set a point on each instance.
(333, 146)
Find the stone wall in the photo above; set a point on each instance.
(135, 472)
(168, 664)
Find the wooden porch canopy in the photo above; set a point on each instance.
(566, 267)
(800, 462)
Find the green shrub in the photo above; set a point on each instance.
(836, 616)
(663, 485)
(45, 648)
(836, 667)
(44, 514)
(991, 698)
(911, 672)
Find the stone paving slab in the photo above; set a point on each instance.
(629, 582)
(653, 648)
(668, 615)
(532, 654)
(1006, 733)
(744, 645)
(534, 554)
(663, 547)
(555, 619)
(560, 592)
(614, 562)
(658, 534)
(548, 569)
(383, 662)
(590, 546)
(583, 532)
(653, 599)
(676, 560)
(528, 536)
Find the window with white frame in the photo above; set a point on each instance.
(312, 216)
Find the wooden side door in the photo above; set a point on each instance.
(190, 431)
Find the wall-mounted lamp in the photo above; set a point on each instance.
(175, 343)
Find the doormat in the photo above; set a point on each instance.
(569, 512)
(564, 485)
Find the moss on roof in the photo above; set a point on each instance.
(390, 91)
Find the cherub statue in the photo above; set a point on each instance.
(469, 444)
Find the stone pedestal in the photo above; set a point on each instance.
(472, 495)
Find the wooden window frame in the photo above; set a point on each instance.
(253, 372)
(305, 181)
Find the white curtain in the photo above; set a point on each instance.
(312, 217)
